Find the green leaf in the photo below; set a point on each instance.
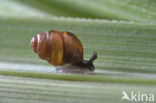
(17, 89)
(121, 46)
(131, 10)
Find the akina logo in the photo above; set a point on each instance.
(138, 97)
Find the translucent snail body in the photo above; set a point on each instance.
(61, 49)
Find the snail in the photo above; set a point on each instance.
(63, 50)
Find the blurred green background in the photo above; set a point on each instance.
(123, 32)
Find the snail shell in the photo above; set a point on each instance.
(60, 48)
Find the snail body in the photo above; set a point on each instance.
(61, 49)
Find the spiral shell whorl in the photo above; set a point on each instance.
(48, 47)
(33, 44)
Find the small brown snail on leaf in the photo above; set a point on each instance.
(63, 50)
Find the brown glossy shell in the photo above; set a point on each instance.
(58, 48)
